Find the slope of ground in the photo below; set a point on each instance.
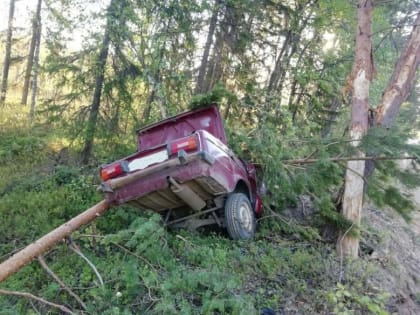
(396, 249)
(148, 269)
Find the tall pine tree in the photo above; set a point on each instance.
(7, 57)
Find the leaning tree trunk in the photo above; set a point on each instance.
(35, 72)
(399, 85)
(199, 87)
(115, 16)
(94, 109)
(402, 79)
(215, 65)
(348, 242)
(278, 68)
(214, 68)
(99, 82)
(35, 28)
(154, 97)
(6, 64)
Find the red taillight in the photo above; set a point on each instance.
(113, 170)
(186, 144)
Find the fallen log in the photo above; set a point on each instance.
(40, 246)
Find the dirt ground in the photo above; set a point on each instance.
(397, 251)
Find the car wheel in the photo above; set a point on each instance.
(239, 217)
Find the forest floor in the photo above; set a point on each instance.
(147, 269)
(391, 246)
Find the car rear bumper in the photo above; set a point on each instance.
(149, 188)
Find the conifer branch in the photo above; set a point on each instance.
(36, 298)
(354, 171)
(126, 250)
(338, 159)
(329, 144)
(273, 214)
(34, 307)
(44, 265)
(365, 180)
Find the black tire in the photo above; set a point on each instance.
(239, 217)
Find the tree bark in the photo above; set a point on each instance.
(148, 107)
(333, 111)
(94, 109)
(199, 87)
(99, 82)
(23, 257)
(215, 66)
(36, 22)
(402, 79)
(399, 86)
(348, 242)
(6, 64)
(35, 71)
(341, 159)
(279, 66)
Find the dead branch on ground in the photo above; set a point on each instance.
(339, 159)
(44, 265)
(36, 298)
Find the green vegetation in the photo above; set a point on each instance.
(279, 70)
(147, 269)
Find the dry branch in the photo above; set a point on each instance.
(77, 250)
(44, 265)
(37, 248)
(36, 298)
(338, 159)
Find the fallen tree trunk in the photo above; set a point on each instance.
(23, 257)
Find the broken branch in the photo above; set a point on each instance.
(338, 159)
(44, 265)
(77, 250)
(36, 298)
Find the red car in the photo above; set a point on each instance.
(185, 170)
